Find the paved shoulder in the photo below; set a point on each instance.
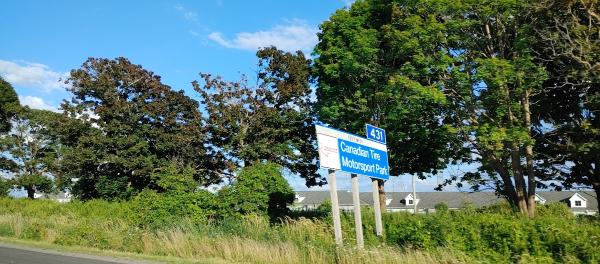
(13, 254)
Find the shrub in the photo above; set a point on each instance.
(83, 234)
(325, 206)
(441, 208)
(156, 210)
(4, 187)
(259, 189)
(554, 209)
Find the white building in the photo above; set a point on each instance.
(580, 202)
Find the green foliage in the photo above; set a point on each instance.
(135, 124)
(154, 210)
(325, 206)
(9, 105)
(30, 151)
(180, 198)
(483, 235)
(498, 238)
(441, 208)
(450, 81)
(555, 209)
(270, 122)
(379, 62)
(567, 43)
(259, 189)
(174, 181)
(5, 186)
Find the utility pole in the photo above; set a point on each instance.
(414, 187)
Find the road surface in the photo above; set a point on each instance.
(13, 254)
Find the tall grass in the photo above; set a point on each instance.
(250, 239)
(493, 235)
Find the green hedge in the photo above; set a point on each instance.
(494, 235)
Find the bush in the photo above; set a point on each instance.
(554, 209)
(84, 234)
(441, 208)
(259, 189)
(4, 187)
(497, 234)
(325, 206)
(155, 210)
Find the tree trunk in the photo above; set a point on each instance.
(380, 184)
(530, 182)
(509, 188)
(529, 158)
(515, 162)
(30, 193)
(517, 172)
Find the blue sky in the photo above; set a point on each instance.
(43, 40)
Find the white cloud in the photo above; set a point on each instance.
(36, 103)
(295, 35)
(187, 14)
(31, 75)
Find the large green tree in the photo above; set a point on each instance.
(270, 121)
(452, 70)
(567, 42)
(31, 151)
(491, 81)
(381, 63)
(138, 124)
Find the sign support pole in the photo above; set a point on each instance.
(357, 217)
(377, 208)
(335, 209)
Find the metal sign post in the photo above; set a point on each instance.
(357, 216)
(377, 208)
(339, 150)
(376, 134)
(335, 209)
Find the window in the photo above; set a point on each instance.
(410, 201)
(577, 203)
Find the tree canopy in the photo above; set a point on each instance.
(31, 153)
(381, 63)
(9, 105)
(440, 76)
(136, 124)
(271, 121)
(568, 46)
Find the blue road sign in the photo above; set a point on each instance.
(364, 160)
(376, 134)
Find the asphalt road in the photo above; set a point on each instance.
(13, 254)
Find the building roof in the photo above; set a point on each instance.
(430, 199)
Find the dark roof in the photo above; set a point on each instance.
(430, 199)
